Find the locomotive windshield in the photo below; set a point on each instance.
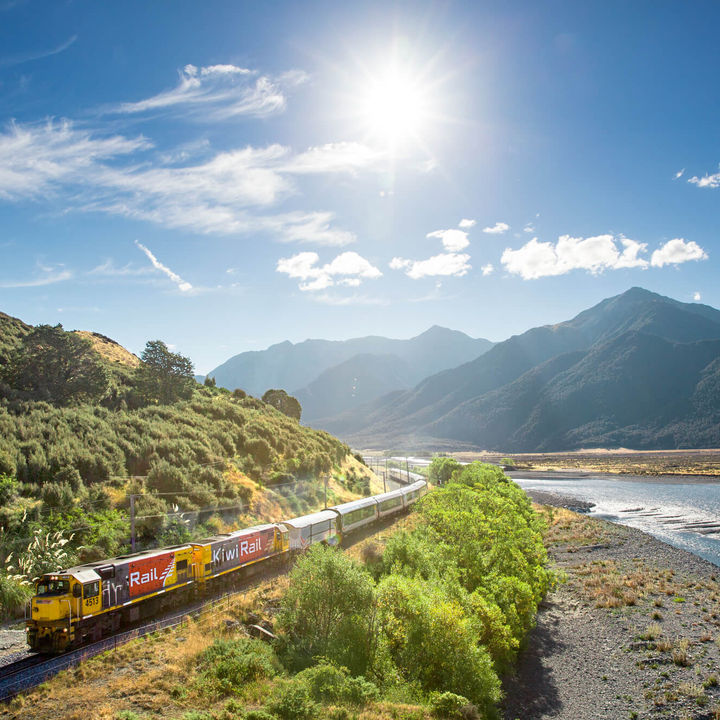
(53, 587)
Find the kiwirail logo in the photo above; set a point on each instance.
(250, 547)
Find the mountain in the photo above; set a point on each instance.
(354, 382)
(292, 367)
(628, 371)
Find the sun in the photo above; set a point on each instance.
(394, 106)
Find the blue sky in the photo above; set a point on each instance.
(227, 175)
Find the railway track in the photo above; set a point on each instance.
(32, 670)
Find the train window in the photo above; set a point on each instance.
(208, 567)
(91, 590)
(182, 565)
(53, 587)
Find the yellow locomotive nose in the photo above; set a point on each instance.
(48, 609)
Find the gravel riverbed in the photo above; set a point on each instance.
(631, 631)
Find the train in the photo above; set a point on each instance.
(88, 602)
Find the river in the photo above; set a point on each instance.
(681, 514)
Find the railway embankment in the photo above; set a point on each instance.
(631, 629)
(417, 622)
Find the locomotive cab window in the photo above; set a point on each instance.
(53, 587)
(91, 590)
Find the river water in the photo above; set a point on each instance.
(663, 509)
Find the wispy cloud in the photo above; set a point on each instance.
(218, 195)
(594, 254)
(36, 160)
(499, 228)
(466, 224)
(697, 297)
(49, 276)
(182, 285)
(445, 264)
(529, 228)
(677, 251)
(109, 269)
(38, 54)
(347, 269)
(219, 92)
(679, 173)
(487, 269)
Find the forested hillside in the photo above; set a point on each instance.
(638, 370)
(84, 424)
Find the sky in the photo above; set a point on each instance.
(224, 176)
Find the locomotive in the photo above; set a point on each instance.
(88, 602)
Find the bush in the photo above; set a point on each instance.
(447, 705)
(359, 691)
(229, 663)
(328, 611)
(13, 596)
(291, 700)
(259, 715)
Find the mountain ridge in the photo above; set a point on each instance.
(440, 407)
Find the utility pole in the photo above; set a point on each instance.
(132, 522)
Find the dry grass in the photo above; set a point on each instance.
(109, 349)
(565, 527)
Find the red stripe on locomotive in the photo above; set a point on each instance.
(147, 575)
(256, 544)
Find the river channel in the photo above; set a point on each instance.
(686, 515)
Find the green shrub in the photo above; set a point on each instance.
(259, 715)
(447, 705)
(197, 715)
(13, 596)
(291, 700)
(229, 663)
(328, 611)
(359, 691)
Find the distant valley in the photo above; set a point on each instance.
(330, 377)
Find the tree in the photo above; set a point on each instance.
(58, 367)
(210, 382)
(441, 469)
(329, 610)
(164, 377)
(283, 402)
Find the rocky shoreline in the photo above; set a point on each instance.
(631, 630)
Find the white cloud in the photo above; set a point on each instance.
(109, 269)
(182, 285)
(487, 269)
(677, 251)
(50, 276)
(497, 229)
(35, 160)
(219, 92)
(213, 196)
(452, 240)
(697, 297)
(679, 173)
(444, 264)
(594, 254)
(711, 181)
(529, 228)
(348, 269)
(333, 157)
(38, 54)
(467, 224)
